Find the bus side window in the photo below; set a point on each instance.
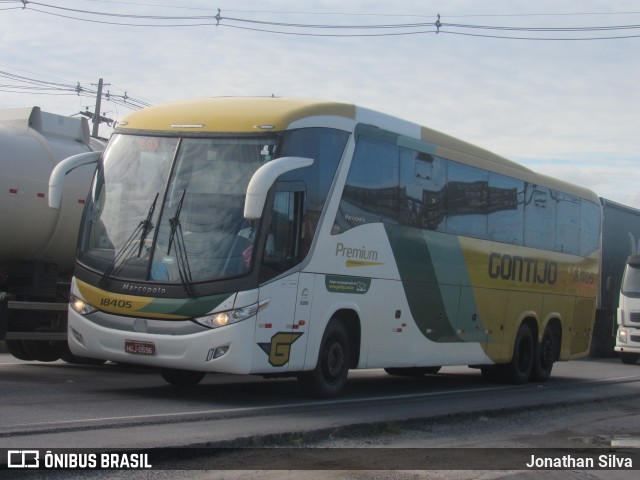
(539, 217)
(589, 227)
(283, 246)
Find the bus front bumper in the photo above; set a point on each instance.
(227, 349)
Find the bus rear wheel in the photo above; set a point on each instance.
(519, 369)
(182, 378)
(330, 374)
(545, 356)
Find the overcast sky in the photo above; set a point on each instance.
(566, 108)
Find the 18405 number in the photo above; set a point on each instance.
(112, 302)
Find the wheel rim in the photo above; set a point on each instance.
(546, 352)
(334, 361)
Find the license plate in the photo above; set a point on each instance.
(139, 348)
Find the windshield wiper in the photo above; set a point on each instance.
(146, 224)
(128, 249)
(181, 252)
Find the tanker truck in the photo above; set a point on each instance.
(37, 243)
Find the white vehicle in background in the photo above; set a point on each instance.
(628, 339)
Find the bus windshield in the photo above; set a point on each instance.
(170, 210)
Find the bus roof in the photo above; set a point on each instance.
(261, 114)
(233, 114)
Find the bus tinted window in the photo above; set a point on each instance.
(325, 146)
(567, 223)
(467, 200)
(372, 188)
(539, 217)
(422, 183)
(589, 227)
(506, 209)
(389, 183)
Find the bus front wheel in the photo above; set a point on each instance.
(330, 374)
(519, 369)
(182, 378)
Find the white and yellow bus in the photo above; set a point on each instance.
(292, 237)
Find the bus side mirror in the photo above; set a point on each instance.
(263, 180)
(56, 180)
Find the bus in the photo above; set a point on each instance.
(304, 238)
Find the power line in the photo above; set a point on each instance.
(30, 85)
(306, 12)
(337, 30)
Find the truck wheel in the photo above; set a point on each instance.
(330, 374)
(629, 358)
(76, 360)
(182, 378)
(545, 356)
(16, 348)
(45, 350)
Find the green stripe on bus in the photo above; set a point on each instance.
(189, 308)
(427, 302)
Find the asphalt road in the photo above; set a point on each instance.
(586, 403)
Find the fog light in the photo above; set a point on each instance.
(217, 352)
(78, 336)
(220, 351)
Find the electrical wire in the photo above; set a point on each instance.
(30, 85)
(310, 29)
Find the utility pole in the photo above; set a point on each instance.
(96, 113)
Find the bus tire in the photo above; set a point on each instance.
(519, 369)
(16, 348)
(413, 371)
(182, 378)
(330, 374)
(544, 357)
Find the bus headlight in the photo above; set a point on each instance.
(220, 319)
(80, 306)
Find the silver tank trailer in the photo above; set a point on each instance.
(38, 243)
